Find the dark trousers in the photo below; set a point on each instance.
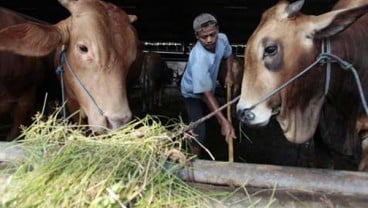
(196, 109)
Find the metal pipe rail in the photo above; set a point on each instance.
(326, 181)
(177, 48)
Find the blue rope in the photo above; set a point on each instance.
(60, 72)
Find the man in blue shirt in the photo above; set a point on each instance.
(200, 76)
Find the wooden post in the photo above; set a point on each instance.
(229, 139)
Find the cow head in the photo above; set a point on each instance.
(100, 46)
(284, 43)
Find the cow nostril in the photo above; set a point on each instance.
(126, 118)
(249, 115)
(113, 123)
(246, 115)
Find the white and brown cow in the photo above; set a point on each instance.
(285, 43)
(100, 45)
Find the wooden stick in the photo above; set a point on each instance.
(229, 138)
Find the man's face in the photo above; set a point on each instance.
(208, 37)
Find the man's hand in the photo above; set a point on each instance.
(226, 127)
(227, 130)
(229, 80)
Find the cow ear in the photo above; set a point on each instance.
(30, 39)
(334, 22)
(132, 18)
(294, 8)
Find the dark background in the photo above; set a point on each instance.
(170, 20)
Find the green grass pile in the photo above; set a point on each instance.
(125, 168)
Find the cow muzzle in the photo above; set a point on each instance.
(115, 122)
(106, 123)
(256, 115)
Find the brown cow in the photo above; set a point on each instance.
(151, 72)
(100, 46)
(20, 79)
(286, 42)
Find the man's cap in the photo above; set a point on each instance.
(202, 19)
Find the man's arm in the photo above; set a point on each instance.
(226, 128)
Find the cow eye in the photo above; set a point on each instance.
(83, 48)
(270, 51)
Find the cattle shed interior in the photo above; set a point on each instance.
(165, 23)
(165, 26)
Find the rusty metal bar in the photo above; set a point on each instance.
(347, 183)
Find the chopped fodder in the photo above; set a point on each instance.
(125, 168)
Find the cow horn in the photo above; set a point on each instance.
(66, 3)
(294, 8)
(132, 18)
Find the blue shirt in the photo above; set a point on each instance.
(202, 68)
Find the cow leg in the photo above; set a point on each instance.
(362, 129)
(144, 102)
(15, 129)
(160, 94)
(306, 154)
(144, 87)
(159, 97)
(151, 94)
(363, 165)
(155, 96)
(322, 156)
